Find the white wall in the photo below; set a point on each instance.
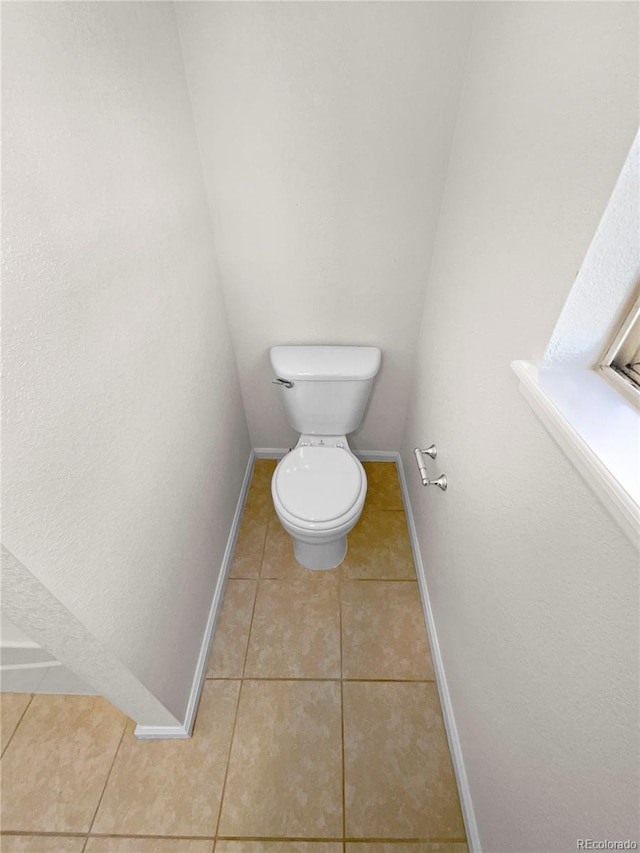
(608, 280)
(325, 130)
(11, 636)
(534, 588)
(125, 442)
(25, 667)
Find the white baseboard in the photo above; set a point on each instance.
(185, 730)
(468, 814)
(377, 455)
(162, 732)
(270, 452)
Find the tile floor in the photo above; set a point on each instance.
(319, 728)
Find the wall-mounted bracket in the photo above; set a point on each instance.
(432, 451)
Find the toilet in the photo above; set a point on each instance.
(319, 487)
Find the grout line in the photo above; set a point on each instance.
(244, 665)
(42, 833)
(334, 579)
(264, 542)
(226, 771)
(243, 578)
(246, 651)
(389, 680)
(15, 728)
(253, 613)
(106, 781)
(286, 838)
(378, 580)
(331, 839)
(135, 837)
(322, 678)
(420, 839)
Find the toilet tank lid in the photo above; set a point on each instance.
(318, 363)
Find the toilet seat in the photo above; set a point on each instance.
(319, 487)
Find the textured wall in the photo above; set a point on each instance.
(124, 438)
(12, 635)
(608, 279)
(534, 588)
(325, 130)
(67, 640)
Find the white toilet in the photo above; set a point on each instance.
(319, 487)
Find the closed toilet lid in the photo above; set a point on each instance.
(318, 483)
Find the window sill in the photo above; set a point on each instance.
(597, 429)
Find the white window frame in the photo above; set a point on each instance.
(589, 409)
(625, 345)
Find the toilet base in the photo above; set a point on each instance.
(324, 555)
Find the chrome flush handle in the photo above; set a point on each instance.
(286, 382)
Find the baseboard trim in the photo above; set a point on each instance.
(377, 455)
(161, 732)
(185, 730)
(468, 814)
(270, 452)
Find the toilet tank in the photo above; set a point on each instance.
(331, 386)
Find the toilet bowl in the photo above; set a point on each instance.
(318, 494)
(319, 487)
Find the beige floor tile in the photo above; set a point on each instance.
(279, 561)
(262, 474)
(55, 768)
(172, 787)
(259, 494)
(41, 844)
(232, 632)
(12, 707)
(408, 847)
(383, 631)
(296, 630)
(147, 845)
(383, 485)
(285, 769)
(399, 781)
(250, 545)
(378, 548)
(278, 847)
